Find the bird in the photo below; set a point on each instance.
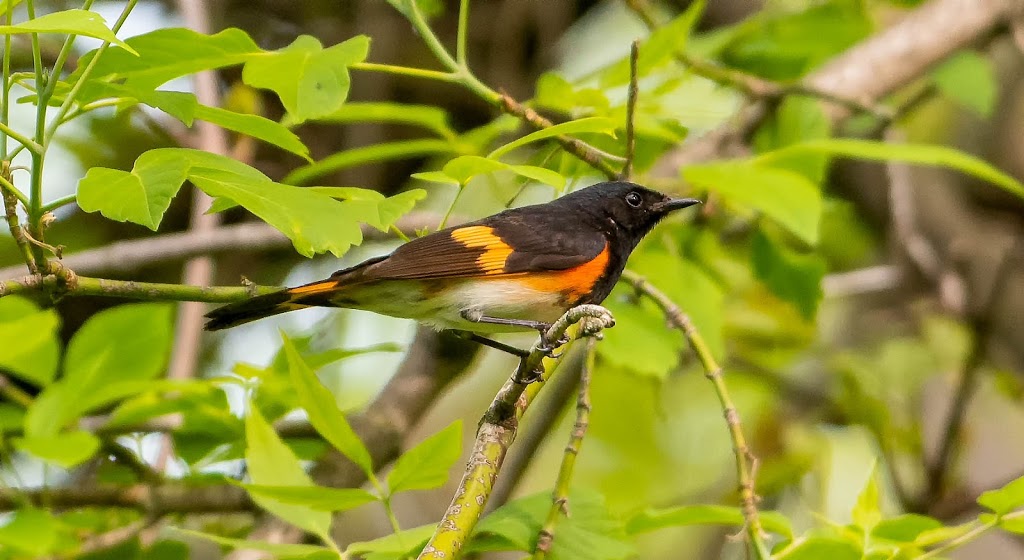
(517, 270)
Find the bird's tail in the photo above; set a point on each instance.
(309, 295)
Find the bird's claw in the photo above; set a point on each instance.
(533, 377)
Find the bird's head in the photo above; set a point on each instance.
(628, 207)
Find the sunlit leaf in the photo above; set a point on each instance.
(1005, 499)
(30, 531)
(279, 550)
(404, 544)
(66, 449)
(904, 528)
(653, 519)
(429, 117)
(600, 125)
(271, 463)
(70, 22)
(792, 276)
(867, 512)
(925, 154)
(375, 153)
(323, 410)
(784, 196)
(310, 80)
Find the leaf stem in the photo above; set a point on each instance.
(62, 201)
(392, 518)
(5, 109)
(35, 197)
(451, 207)
(11, 197)
(407, 71)
(460, 45)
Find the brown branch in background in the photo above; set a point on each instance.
(574, 146)
(560, 496)
(870, 70)
(199, 270)
(634, 92)
(746, 462)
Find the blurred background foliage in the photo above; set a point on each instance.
(870, 380)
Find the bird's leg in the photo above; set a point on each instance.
(549, 349)
(490, 343)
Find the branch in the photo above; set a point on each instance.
(631, 97)
(746, 463)
(497, 431)
(150, 291)
(129, 256)
(10, 196)
(560, 496)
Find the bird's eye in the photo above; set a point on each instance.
(633, 199)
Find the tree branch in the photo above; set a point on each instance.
(148, 291)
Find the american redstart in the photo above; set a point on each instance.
(520, 269)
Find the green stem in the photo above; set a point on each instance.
(62, 201)
(14, 393)
(560, 496)
(5, 110)
(460, 45)
(11, 197)
(430, 38)
(30, 144)
(35, 197)
(392, 518)
(407, 71)
(85, 286)
(7, 186)
(62, 58)
(448, 213)
(745, 460)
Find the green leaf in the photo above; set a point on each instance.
(315, 497)
(311, 81)
(256, 126)
(924, 154)
(930, 537)
(653, 519)
(426, 465)
(279, 550)
(819, 547)
(33, 348)
(904, 528)
(271, 463)
(435, 177)
(30, 531)
(141, 196)
(323, 410)
(1013, 523)
(117, 352)
(867, 512)
(464, 168)
(70, 22)
(970, 79)
(540, 174)
(400, 545)
(782, 195)
(791, 276)
(1005, 499)
(166, 54)
(375, 153)
(374, 208)
(591, 532)
(796, 119)
(428, 117)
(600, 125)
(66, 449)
(315, 223)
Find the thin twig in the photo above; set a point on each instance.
(574, 146)
(634, 92)
(746, 462)
(560, 495)
(497, 431)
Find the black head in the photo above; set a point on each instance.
(625, 207)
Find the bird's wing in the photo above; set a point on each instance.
(508, 243)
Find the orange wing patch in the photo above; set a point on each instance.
(314, 288)
(574, 282)
(496, 251)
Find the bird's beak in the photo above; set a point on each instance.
(675, 204)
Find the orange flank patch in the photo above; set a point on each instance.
(496, 251)
(574, 282)
(315, 288)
